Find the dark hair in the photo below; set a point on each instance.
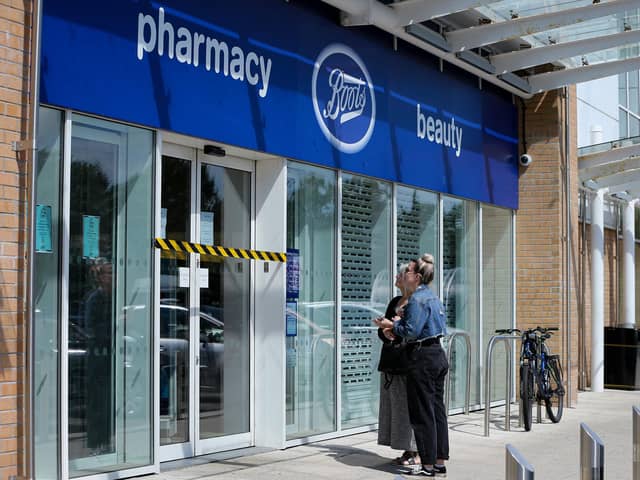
(425, 267)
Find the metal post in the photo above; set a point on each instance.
(487, 379)
(636, 443)
(591, 454)
(516, 466)
(447, 391)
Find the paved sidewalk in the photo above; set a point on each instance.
(553, 449)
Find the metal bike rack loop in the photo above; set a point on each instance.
(516, 466)
(591, 454)
(447, 390)
(636, 443)
(487, 380)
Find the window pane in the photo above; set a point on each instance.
(460, 291)
(311, 365)
(633, 91)
(46, 293)
(497, 281)
(110, 309)
(366, 290)
(622, 89)
(417, 229)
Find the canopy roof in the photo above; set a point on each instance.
(523, 46)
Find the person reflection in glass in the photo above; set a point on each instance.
(98, 324)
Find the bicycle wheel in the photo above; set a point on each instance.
(526, 394)
(553, 389)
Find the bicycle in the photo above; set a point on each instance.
(540, 374)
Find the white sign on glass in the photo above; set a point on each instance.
(204, 277)
(183, 277)
(163, 223)
(206, 228)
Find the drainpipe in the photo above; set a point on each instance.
(568, 243)
(31, 147)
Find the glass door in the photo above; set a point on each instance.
(204, 306)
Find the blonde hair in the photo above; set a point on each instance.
(425, 267)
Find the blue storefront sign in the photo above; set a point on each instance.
(287, 79)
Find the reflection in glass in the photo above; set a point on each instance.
(417, 225)
(366, 290)
(497, 281)
(174, 303)
(46, 416)
(224, 285)
(310, 382)
(460, 290)
(109, 297)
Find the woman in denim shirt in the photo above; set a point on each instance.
(422, 326)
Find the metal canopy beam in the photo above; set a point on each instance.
(467, 38)
(615, 154)
(609, 169)
(629, 187)
(416, 11)
(511, 61)
(561, 78)
(618, 179)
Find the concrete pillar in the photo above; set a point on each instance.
(597, 291)
(629, 266)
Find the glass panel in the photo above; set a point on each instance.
(225, 219)
(497, 286)
(624, 123)
(460, 290)
(311, 363)
(174, 303)
(366, 290)
(622, 89)
(46, 293)
(633, 95)
(110, 297)
(417, 225)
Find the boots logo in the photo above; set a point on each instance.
(343, 98)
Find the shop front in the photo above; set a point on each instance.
(184, 150)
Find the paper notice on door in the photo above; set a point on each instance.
(203, 277)
(183, 277)
(90, 236)
(206, 228)
(163, 223)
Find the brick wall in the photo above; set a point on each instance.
(541, 234)
(14, 81)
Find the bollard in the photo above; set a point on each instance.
(516, 466)
(447, 390)
(636, 443)
(591, 455)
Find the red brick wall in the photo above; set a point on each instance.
(541, 234)
(14, 85)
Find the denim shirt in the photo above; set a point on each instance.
(423, 317)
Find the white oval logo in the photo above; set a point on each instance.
(343, 98)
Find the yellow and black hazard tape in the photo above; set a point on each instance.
(182, 246)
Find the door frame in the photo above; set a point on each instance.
(192, 150)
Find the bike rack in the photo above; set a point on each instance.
(516, 466)
(636, 442)
(447, 391)
(591, 454)
(487, 380)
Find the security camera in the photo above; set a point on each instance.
(525, 160)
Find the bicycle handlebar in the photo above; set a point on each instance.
(538, 329)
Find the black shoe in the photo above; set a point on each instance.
(440, 471)
(419, 470)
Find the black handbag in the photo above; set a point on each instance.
(394, 358)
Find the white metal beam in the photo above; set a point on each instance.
(380, 18)
(511, 61)
(618, 179)
(467, 38)
(561, 78)
(416, 11)
(609, 169)
(615, 154)
(630, 187)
